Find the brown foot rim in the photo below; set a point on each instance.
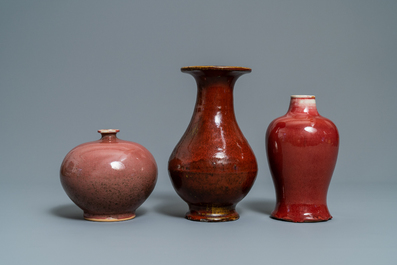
(216, 215)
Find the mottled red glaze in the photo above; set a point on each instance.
(302, 148)
(109, 178)
(212, 167)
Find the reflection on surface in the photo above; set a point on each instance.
(221, 150)
(117, 165)
(310, 129)
(220, 155)
(218, 118)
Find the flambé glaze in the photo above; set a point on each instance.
(302, 149)
(108, 178)
(213, 167)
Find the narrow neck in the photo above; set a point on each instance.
(303, 104)
(215, 94)
(215, 89)
(108, 135)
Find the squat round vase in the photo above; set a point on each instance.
(109, 178)
(302, 148)
(213, 167)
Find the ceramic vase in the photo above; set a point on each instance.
(108, 178)
(212, 167)
(302, 148)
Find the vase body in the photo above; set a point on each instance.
(212, 167)
(109, 178)
(302, 149)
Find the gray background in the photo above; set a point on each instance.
(68, 68)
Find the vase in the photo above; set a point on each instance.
(108, 178)
(302, 148)
(213, 167)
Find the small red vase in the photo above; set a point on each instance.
(302, 148)
(212, 167)
(109, 178)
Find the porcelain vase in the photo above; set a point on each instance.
(302, 149)
(213, 167)
(108, 178)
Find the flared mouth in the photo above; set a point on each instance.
(108, 131)
(215, 67)
(303, 96)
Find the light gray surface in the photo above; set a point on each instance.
(68, 68)
(44, 227)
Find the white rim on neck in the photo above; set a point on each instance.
(108, 130)
(303, 96)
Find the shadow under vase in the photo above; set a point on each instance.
(263, 206)
(170, 205)
(72, 211)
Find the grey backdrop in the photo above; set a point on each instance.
(68, 68)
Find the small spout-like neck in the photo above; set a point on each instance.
(108, 135)
(303, 104)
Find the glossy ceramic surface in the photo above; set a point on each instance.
(212, 167)
(302, 149)
(109, 178)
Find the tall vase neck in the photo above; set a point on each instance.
(215, 87)
(108, 135)
(303, 104)
(215, 93)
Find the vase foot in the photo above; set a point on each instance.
(294, 220)
(109, 217)
(301, 213)
(212, 214)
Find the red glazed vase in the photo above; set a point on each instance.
(212, 167)
(302, 148)
(109, 178)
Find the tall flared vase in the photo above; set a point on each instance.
(302, 148)
(213, 167)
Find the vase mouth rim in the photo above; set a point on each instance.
(215, 67)
(304, 96)
(108, 130)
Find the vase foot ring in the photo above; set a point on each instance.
(229, 215)
(299, 220)
(108, 218)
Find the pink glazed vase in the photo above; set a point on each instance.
(109, 178)
(302, 148)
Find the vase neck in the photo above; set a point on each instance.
(303, 104)
(215, 93)
(108, 135)
(215, 88)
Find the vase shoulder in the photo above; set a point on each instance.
(118, 144)
(301, 120)
(310, 131)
